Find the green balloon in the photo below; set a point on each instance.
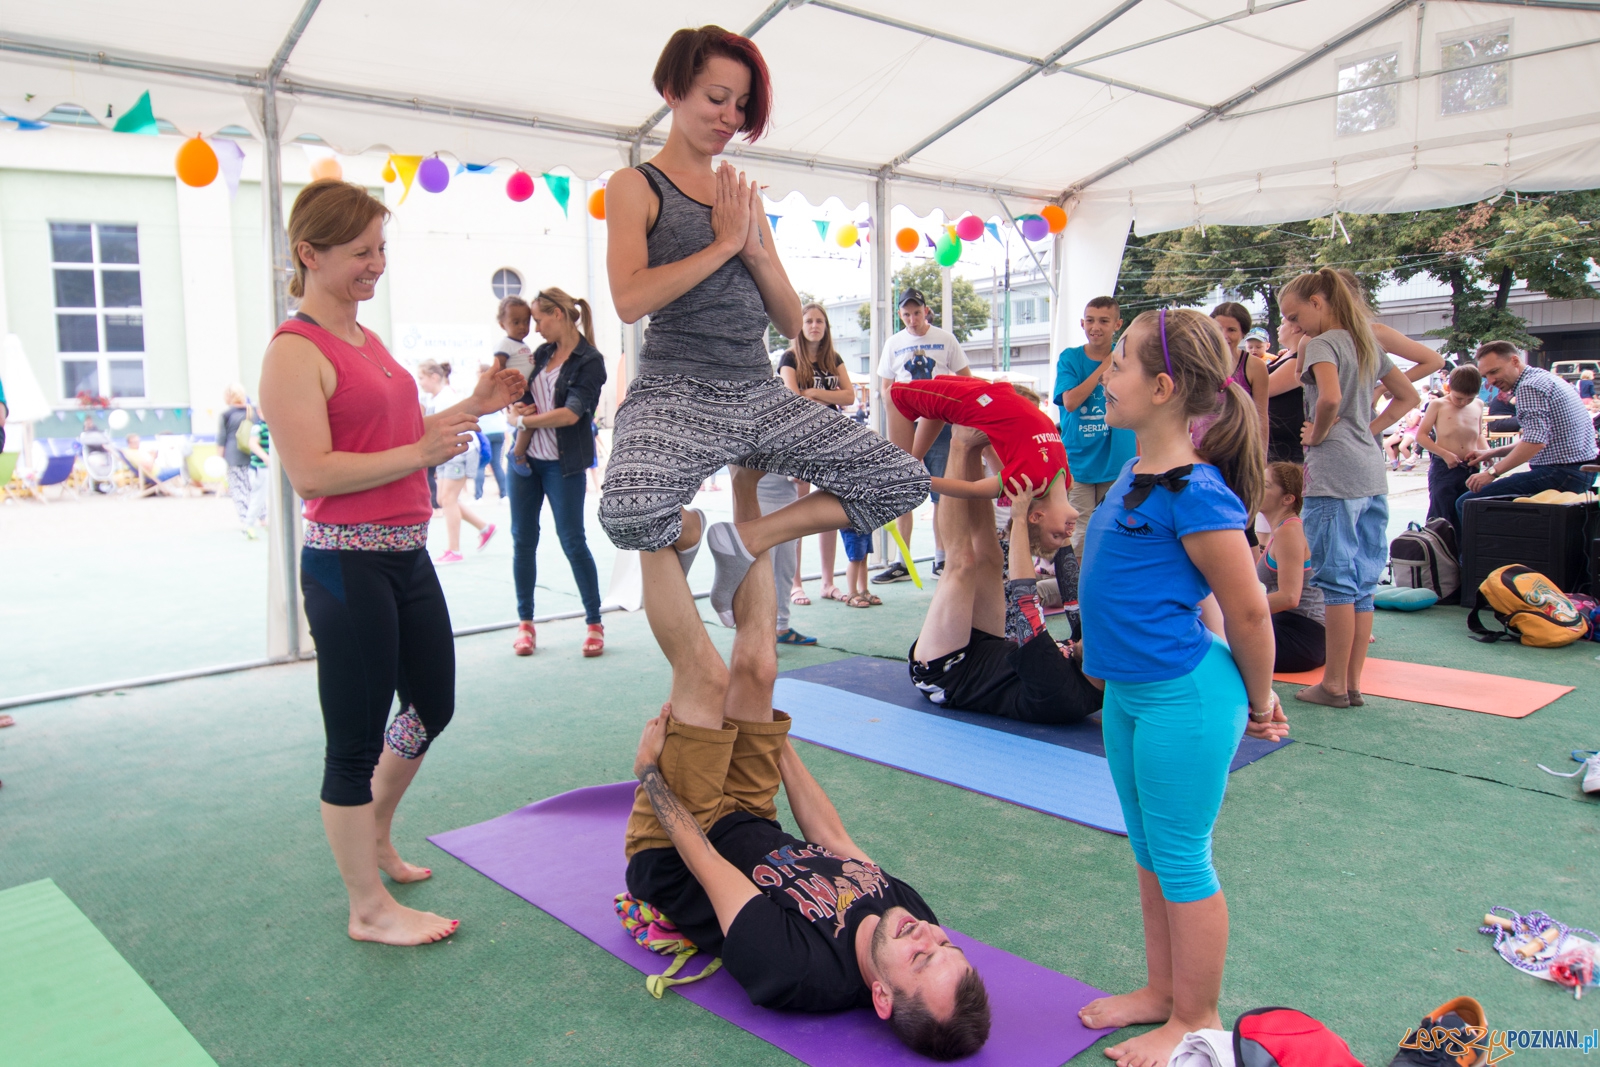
(947, 250)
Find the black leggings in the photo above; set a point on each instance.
(381, 623)
(1302, 643)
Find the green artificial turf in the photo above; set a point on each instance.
(182, 819)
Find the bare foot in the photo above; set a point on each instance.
(1154, 1048)
(393, 924)
(390, 863)
(1126, 1009)
(6, 720)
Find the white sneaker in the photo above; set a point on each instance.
(1590, 770)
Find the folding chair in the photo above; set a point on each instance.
(57, 470)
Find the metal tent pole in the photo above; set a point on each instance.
(882, 281)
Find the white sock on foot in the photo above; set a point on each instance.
(733, 563)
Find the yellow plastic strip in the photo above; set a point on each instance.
(905, 553)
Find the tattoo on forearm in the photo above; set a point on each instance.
(674, 817)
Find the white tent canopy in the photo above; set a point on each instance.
(1219, 111)
(1162, 113)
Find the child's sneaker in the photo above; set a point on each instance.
(1590, 770)
(1464, 1028)
(483, 538)
(448, 557)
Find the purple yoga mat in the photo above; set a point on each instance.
(564, 856)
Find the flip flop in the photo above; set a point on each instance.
(799, 597)
(794, 637)
(835, 593)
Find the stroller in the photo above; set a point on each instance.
(100, 460)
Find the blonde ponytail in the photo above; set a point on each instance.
(1348, 309)
(1232, 444)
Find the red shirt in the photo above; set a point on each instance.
(369, 412)
(1023, 436)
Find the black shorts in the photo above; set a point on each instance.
(1034, 683)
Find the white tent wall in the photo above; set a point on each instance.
(1091, 256)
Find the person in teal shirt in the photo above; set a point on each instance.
(1096, 451)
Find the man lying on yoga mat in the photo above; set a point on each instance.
(984, 646)
(805, 923)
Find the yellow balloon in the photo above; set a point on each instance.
(388, 171)
(847, 235)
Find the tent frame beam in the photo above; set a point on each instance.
(1330, 45)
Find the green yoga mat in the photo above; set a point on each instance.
(67, 998)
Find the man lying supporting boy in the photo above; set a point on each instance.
(984, 646)
(805, 923)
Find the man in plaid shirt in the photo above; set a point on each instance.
(1557, 437)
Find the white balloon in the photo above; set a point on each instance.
(216, 468)
(117, 420)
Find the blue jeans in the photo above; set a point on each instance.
(1566, 477)
(1349, 546)
(565, 493)
(496, 443)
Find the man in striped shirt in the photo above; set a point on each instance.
(1557, 436)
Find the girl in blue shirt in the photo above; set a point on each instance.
(1169, 534)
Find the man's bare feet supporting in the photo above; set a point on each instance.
(1127, 1009)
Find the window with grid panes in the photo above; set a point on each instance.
(99, 305)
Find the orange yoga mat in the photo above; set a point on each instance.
(1492, 694)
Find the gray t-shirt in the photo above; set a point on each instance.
(1348, 464)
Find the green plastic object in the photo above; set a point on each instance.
(947, 251)
(68, 999)
(1395, 598)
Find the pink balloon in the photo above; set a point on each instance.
(970, 228)
(519, 186)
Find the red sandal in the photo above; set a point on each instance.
(594, 642)
(523, 645)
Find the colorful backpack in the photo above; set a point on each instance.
(655, 932)
(1529, 609)
(1283, 1037)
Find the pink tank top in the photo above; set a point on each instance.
(369, 412)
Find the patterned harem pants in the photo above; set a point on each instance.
(674, 431)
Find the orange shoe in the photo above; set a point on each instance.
(523, 645)
(1463, 1027)
(594, 642)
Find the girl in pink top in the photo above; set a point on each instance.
(354, 444)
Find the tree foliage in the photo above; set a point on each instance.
(776, 342)
(971, 311)
(1478, 251)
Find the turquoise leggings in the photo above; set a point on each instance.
(1169, 745)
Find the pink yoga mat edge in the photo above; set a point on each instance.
(564, 856)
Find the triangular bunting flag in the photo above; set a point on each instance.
(822, 228)
(230, 161)
(772, 220)
(930, 241)
(139, 118)
(476, 168)
(24, 124)
(405, 168)
(994, 230)
(560, 187)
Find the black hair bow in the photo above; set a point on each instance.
(1175, 480)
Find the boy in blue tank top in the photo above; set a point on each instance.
(1169, 533)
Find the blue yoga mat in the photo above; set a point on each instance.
(1054, 779)
(887, 680)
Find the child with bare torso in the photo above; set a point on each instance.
(1452, 428)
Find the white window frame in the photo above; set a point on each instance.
(1347, 62)
(102, 358)
(494, 282)
(1445, 40)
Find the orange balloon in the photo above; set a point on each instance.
(597, 203)
(1055, 216)
(196, 163)
(389, 174)
(326, 167)
(907, 240)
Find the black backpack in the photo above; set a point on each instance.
(1424, 557)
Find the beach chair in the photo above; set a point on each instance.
(57, 469)
(10, 485)
(151, 482)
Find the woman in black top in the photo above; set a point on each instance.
(813, 369)
(1286, 415)
(557, 412)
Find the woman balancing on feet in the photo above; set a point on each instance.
(346, 424)
(690, 247)
(1176, 700)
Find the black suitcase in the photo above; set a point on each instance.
(1552, 539)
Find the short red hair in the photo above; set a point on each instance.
(685, 57)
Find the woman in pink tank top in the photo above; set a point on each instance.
(352, 439)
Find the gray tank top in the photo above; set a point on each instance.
(1311, 605)
(716, 330)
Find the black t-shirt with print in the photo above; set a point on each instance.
(792, 947)
(819, 379)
